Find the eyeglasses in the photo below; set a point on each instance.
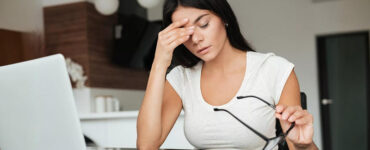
(270, 142)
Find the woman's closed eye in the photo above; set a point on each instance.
(204, 25)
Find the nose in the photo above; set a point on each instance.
(196, 37)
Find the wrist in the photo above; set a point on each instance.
(159, 66)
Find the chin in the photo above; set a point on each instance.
(207, 57)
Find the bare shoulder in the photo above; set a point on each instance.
(291, 92)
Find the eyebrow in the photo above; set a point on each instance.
(200, 17)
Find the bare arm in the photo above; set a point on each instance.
(158, 113)
(300, 137)
(161, 104)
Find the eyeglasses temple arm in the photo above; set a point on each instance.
(241, 97)
(256, 132)
(272, 106)
(290, 128)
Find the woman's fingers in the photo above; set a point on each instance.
(293, 114)
(280, 108)
(169, 39)
(307, 118)
(302, 133)
(296, 115)
(285, 112)
(179, 41)
(278, 116)
(288, 112)
(178, 33)
(175, 37)
(176, 24)
(174, 33)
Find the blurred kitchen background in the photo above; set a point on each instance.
(114, 42)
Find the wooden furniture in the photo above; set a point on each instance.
(17, 46)
(78, 31)
(11, 47)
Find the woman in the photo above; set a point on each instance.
(216, 66)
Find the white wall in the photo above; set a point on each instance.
(341, 16)
(289, 28)
(156, 12)
(21, 15)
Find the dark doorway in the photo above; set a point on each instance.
(344, 90)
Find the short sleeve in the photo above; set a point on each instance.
(280, 71)
(176, 78)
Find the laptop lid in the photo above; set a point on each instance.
(37, 108)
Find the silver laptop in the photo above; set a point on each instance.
(37, 108)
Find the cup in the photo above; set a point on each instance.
(116, 105)
(100, 104)
(109, 103)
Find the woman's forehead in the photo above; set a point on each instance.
(188, 12)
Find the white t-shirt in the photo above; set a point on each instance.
(204, 128)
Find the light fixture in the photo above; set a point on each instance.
(148, 3)
(106, 7)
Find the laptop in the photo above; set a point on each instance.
(37, 108)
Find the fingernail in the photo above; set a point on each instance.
(191, 27)
(185, 19)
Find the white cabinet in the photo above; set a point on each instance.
(119, 130)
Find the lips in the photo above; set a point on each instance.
(203, 49)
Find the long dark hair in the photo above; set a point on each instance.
(182, 56)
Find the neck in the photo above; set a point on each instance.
(228, 60)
